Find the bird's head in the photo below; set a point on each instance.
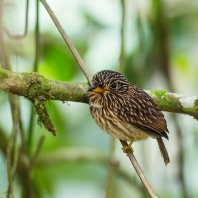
(108, 85)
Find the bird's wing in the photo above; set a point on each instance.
(140, 110)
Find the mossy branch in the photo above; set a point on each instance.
(176, 103)
(38, 90)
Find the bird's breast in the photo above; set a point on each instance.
(111, 124)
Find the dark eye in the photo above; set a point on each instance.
(114, 85)
(100, 86)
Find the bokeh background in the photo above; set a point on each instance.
(159, 51)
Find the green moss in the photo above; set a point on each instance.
(196, 104)
(160, 93)
(3, 73)
(162, 99)
(38, 86)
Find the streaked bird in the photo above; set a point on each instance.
(125, 111)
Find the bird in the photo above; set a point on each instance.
(126, 111)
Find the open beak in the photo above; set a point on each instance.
(95, 88)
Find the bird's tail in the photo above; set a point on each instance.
(163, 150)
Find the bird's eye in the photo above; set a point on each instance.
(100, 86)
(114, 85)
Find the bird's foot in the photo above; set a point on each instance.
(125, 148)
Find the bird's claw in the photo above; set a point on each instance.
(126, 147)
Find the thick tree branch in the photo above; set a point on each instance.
(176, 103)
(37, 88)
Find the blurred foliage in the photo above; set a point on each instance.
(58, 62)
(162, 37)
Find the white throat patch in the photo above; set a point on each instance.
(95, 105)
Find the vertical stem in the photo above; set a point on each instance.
(14, 101)
(12, 152)
(122, 36)
(37, 36)
(36, 60)
(112, 170)
(162, 50)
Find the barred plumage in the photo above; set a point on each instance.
(126, 111)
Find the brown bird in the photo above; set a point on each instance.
(126, 111)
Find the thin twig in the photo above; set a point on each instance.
(17, 37)
(15, 160)
(14, 103)
(73, 154)
(181, 157)
(37, 151)
(122, 32)
(67, 40)
(112, 169)
(31, 126)
(139, 170)
(36, 60)
(162, 51)
(4, 59)
(22, 134)
(11, 150)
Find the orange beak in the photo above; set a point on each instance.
(96, 89)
